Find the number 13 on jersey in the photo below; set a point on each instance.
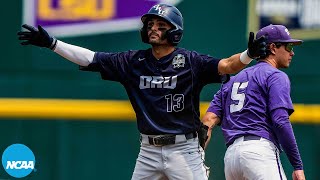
(175, 102)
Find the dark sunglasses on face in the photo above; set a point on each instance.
(289, 47)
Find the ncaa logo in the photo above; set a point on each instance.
(18, 160)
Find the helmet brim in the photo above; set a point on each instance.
(147, 16)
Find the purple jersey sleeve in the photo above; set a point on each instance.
(279, 92)
(283, 130)
(218, 102)
(216, 105)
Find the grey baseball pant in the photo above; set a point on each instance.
(183, 160)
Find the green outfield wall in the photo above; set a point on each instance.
(46, 102)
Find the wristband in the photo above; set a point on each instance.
(244, 58)
(53, 44)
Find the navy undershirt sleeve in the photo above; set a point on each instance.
(284, 132)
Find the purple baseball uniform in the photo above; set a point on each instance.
(256, 103)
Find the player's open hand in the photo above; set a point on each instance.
(257, 47)
(37, 37)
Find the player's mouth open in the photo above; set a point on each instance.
(153, 35)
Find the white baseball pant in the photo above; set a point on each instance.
(253, 160)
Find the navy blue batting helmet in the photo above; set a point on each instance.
(172, 15)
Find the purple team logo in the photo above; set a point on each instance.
(73, 17)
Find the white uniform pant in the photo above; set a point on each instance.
(253, 160)
(181, 161)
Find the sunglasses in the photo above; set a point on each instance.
(288, 46)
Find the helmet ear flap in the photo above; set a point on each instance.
(174, 36)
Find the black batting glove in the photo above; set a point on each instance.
(37, 37)
(203, 135)
(257, 47)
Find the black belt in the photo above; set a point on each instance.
(163, 140)
(247, 138)
(251, 137)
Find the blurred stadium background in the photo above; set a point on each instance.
(81, 127)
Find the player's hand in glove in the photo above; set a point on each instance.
(203, 135)
(257, 47)
(37, 37)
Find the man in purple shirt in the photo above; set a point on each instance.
(253, 109)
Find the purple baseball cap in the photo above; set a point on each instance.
(277, 33)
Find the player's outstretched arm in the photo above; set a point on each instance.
(233, 64)
(40, 37)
